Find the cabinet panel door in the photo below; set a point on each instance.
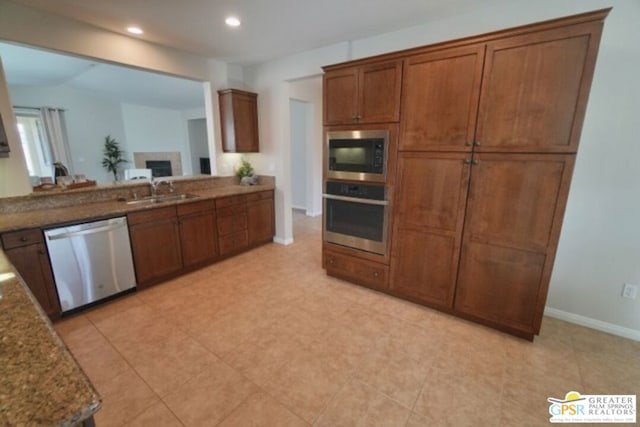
(340, 96)
(198, 238)
(535, 90)
(245, 115)
(500, 284)
(428, 220)
(33, 265)
(379, 92)
(260, 220)
(156, 250)
(513, 199)
(514, 214)
(440, 100)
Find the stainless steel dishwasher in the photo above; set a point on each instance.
(90, 261)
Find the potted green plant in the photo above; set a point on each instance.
(113, 156)
(246, 173)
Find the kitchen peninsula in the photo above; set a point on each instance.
(197, 222)
(41, 383)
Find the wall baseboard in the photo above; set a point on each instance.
(281, 241)
(314, 214)
(599, 325)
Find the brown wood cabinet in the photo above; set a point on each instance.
(489, 128)
(514, 214)
(535, 89)
(365, 94)
(440, 99)
(233, 236)
(368, 273)
(156, 245)
(260, 217)
(428, 220)
(28, 254)
(198, 233)
(239, 121)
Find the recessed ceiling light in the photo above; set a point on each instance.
(135, 30)
(232, 21)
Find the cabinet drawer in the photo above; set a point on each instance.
(232, 210)
(189, 208)
(232, 224)
(151, 215)
(233, 242)
(357, 270)
(262, 195)
(230, 201)
(22, 238)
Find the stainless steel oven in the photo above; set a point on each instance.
(357, 155)
(355, 215)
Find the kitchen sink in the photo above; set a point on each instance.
(161, 199)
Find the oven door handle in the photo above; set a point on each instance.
(356, 200)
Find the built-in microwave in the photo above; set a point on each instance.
(358, 155)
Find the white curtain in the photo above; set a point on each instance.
(56, 132)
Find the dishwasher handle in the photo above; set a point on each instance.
(92, 230)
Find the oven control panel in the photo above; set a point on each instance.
(361, 191)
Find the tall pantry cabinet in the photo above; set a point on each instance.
(488, 136)
(488, 132)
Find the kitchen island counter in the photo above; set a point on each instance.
(40, 381)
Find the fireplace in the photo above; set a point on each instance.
(161, 163)
(159, 167)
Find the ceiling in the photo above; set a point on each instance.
(270, 28)
(26, 67)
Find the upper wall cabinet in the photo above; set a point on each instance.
(535, 89)
(364, 94)
(440, 99)
(239, 121)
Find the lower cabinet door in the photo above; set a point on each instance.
(515, 209)
(198, 238)
(33, 265)
(260, 220)
(156, 250)
(428, 221)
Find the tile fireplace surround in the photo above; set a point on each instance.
(140, 160)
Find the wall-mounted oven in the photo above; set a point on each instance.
(357, 155)
(355, 215)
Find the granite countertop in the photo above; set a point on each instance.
(40, 382)
(89, 211)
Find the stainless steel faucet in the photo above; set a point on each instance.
(155, 183)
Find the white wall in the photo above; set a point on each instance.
(156, 129)
(89, 120)
(197, 129)
(298, 154)
(309, 90)
(14, 178)
(21, 24)
(600, 242)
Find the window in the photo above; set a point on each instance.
(34, 145)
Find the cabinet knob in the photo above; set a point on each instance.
(41, 251)
(23, 239)
(475, 162)
(478, 143)
(467, 161)
(376, 274)
(468, 143)
(330, 260)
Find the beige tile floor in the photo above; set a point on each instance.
(267, 339)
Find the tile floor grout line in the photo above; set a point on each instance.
(130, 366)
